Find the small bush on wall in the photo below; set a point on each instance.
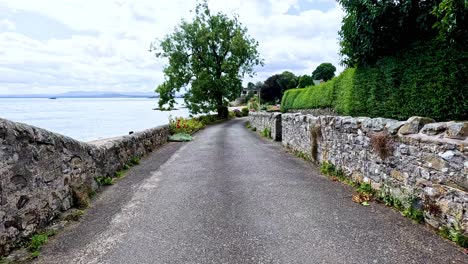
(382, 144)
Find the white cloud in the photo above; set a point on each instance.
(7, 25)
(107, 47)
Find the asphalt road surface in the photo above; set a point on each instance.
(231, 196)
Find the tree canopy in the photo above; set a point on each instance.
(305, 80)
(374, 29)
(324, 71)
(207, 58)
(273, 88)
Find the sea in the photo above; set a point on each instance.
(88, 119)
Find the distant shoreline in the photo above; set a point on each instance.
(74, 97)
(84, 94)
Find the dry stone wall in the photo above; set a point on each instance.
(265, 120)
(42, 173)
(416, 160)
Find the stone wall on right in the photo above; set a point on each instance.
(265, 120)
(418, 161)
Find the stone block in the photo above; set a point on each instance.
(393, 126)
(457, 130)
(433, 129)
(414, 124)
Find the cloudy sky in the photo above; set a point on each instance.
(53, 46)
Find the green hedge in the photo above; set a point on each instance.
(330, 94)
(427, 80)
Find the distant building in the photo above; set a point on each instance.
(245, 91)
(317, 82)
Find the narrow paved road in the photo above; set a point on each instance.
(230, 196)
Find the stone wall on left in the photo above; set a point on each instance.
(42, 174)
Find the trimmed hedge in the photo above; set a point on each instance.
(427, 80)
(331, 94)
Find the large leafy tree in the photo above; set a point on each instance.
(288, 80)
(208, 58)
(274, 87)
(375, 29)
(305, 80)
(452, 18)
(272, 90)
(324, 71)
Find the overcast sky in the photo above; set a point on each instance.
(53, 46)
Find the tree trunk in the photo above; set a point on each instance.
(223, 112)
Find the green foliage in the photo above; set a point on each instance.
(337, 174)
(266, 132)
(390, 200)
(120, 173)
(208, 119)
(288, 80)
(245, 111)
(365, 188)
(305, 80)
(38, 240)
(301, 155)
(426, 80)
(406, 207)
(237, 113)
(327, 168)
(35, 254)
(253, 104)
(320, 96)
(324, 71)
(208, 58)
(375, 29)
(275, 86)
(416, 215)
(185, 125)
(134, 161)
(74, 216)
(104, 180)
(451, 16)
(248, 125)
(454, 235)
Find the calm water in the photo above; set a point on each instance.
(88, 119)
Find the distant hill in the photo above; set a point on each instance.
(85, 94)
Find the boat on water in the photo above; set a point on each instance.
(53, 98)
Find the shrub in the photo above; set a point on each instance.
(266, 132)
(208, 119)
(237, 113)
(253, 104)
(37, 241)
(455, 235)
(327, 168)
(185, 125)
(426, 80)
(365, 188)
(104, 180)
(382, 144)
(80, 196)
(245, 111)
(134, 161)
